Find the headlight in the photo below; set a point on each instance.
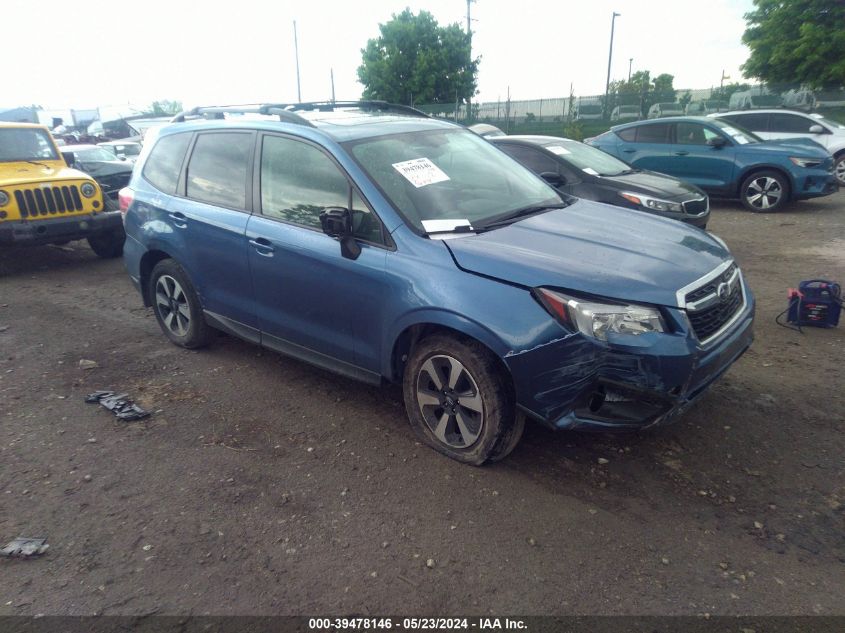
(648, 202)
(88, 190)
(4, 198)
(599, 319)
(805, 162)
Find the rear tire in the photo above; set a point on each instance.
(108, 244)
(177, 306)
(764, 192)
(459, 400)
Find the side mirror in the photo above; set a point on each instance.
(553, 178)
(717, 142)
(337, 222)
(816, 129)
(70, 159)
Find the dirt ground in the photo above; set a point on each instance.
(264, 486)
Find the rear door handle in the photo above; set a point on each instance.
(262, 246)
(629, 151)
(681, 153)
(179, 220)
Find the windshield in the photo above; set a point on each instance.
(588, 159)
(736, 132)
(448, 174)
(589, 109)
(97, 153)
(670, 107)
(23, 144)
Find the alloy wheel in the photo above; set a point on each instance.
(172, 305)
(449, 401)
(764, 192)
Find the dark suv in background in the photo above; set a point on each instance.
(387, 246)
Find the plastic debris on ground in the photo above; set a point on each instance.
(118, 403)
(25, 547)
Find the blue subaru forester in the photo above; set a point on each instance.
(387, 246)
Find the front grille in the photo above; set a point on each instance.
(41, 201)
(710, 287)
(714, 312)
(695, 207)
(708, 321)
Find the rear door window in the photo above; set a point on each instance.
(165, 162)
(754, 121)
(654, 133)
(218, 168)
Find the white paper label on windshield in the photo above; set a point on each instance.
(557, 149)
(420, 172)
(442, 226)
(591, 171)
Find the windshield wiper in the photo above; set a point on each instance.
(519, 214)
(32, 162)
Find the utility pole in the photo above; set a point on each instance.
(630, 62)
(469, 61)
(296, 50)
(331, 70)
(609, 59)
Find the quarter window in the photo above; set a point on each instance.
(628, 135)
(165, 162)
(218, 167)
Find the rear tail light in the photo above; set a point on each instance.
(125, 197)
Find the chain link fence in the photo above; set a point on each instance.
(581, 116)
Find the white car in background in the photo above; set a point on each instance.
(775, 124)
(660, 110)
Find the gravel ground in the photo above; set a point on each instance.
(262, 485)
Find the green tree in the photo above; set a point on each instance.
(163, 107)
(415, 60)
(796, 41)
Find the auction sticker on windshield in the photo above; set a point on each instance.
(557, 149)
(420, 172)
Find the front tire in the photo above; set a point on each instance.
(764, 192)
(177, 306)
(459, 400)
(839, 168)
(108, 244)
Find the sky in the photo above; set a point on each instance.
(119, 52)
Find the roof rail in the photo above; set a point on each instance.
(218, 112)
(366, 104)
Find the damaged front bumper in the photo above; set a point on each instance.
(578, 383)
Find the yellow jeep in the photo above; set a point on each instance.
(43, 201)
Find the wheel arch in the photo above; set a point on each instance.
(409, 333)
(750, 171)
(148, 262)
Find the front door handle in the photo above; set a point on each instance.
(682, 153)
(262, 246)
(179, 220)
(629, 151)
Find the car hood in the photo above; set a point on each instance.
(22, 173)
(807, 146)
(653, 183)
(596, 249)
(107, 167)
